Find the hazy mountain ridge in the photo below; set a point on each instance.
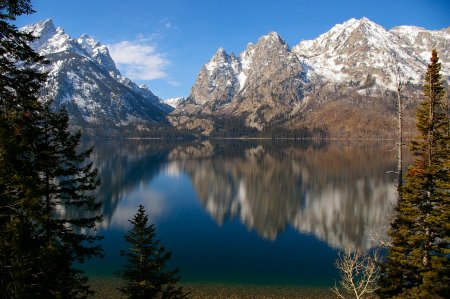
(83, 77)
(270, 84)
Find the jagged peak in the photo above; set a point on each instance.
(248, 51)
(86, 37)
(42, 29)
(48, 23)
(342, 31)
(365, 20)
(271, 40)
(352, 24)
(221, 56)
(220, 52)
(354, 21)
(87, 42)
(273, 37)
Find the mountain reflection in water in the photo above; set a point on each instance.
(339, 192)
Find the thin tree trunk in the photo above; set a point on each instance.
(400, 141)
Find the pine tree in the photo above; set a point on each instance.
(417, 264)
(20, 110)
(145, 275)
(44, 181)
(68, 207)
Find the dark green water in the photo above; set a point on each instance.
(259, 212)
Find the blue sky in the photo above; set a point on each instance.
(164, 43)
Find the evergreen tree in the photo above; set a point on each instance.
(20, 110)
(45, 185)
(417, 263)
(145, 275)
(67, 207)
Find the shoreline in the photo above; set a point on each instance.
(107, 288)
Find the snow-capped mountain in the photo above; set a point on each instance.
(174, 102)
(270, 84)
(358, 48)
(83, 77)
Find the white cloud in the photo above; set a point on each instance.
(139, 60)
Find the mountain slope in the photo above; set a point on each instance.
(82, 76)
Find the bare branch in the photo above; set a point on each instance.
(359, 273)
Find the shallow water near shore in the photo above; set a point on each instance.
(246, 213)
(107, 289)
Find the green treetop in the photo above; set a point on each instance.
(145, 275)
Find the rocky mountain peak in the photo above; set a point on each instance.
(221, 52)
(273, 36)
(44, 29)
(87, 43)
(272, 40)
(220, 59)
(264, 82)
(98, 52)
(217, 80)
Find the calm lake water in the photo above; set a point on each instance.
(259, 212)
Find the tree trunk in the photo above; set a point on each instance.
(399, 141)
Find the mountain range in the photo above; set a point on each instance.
(342, 83)
(83, 77)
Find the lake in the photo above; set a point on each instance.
(251, 212)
